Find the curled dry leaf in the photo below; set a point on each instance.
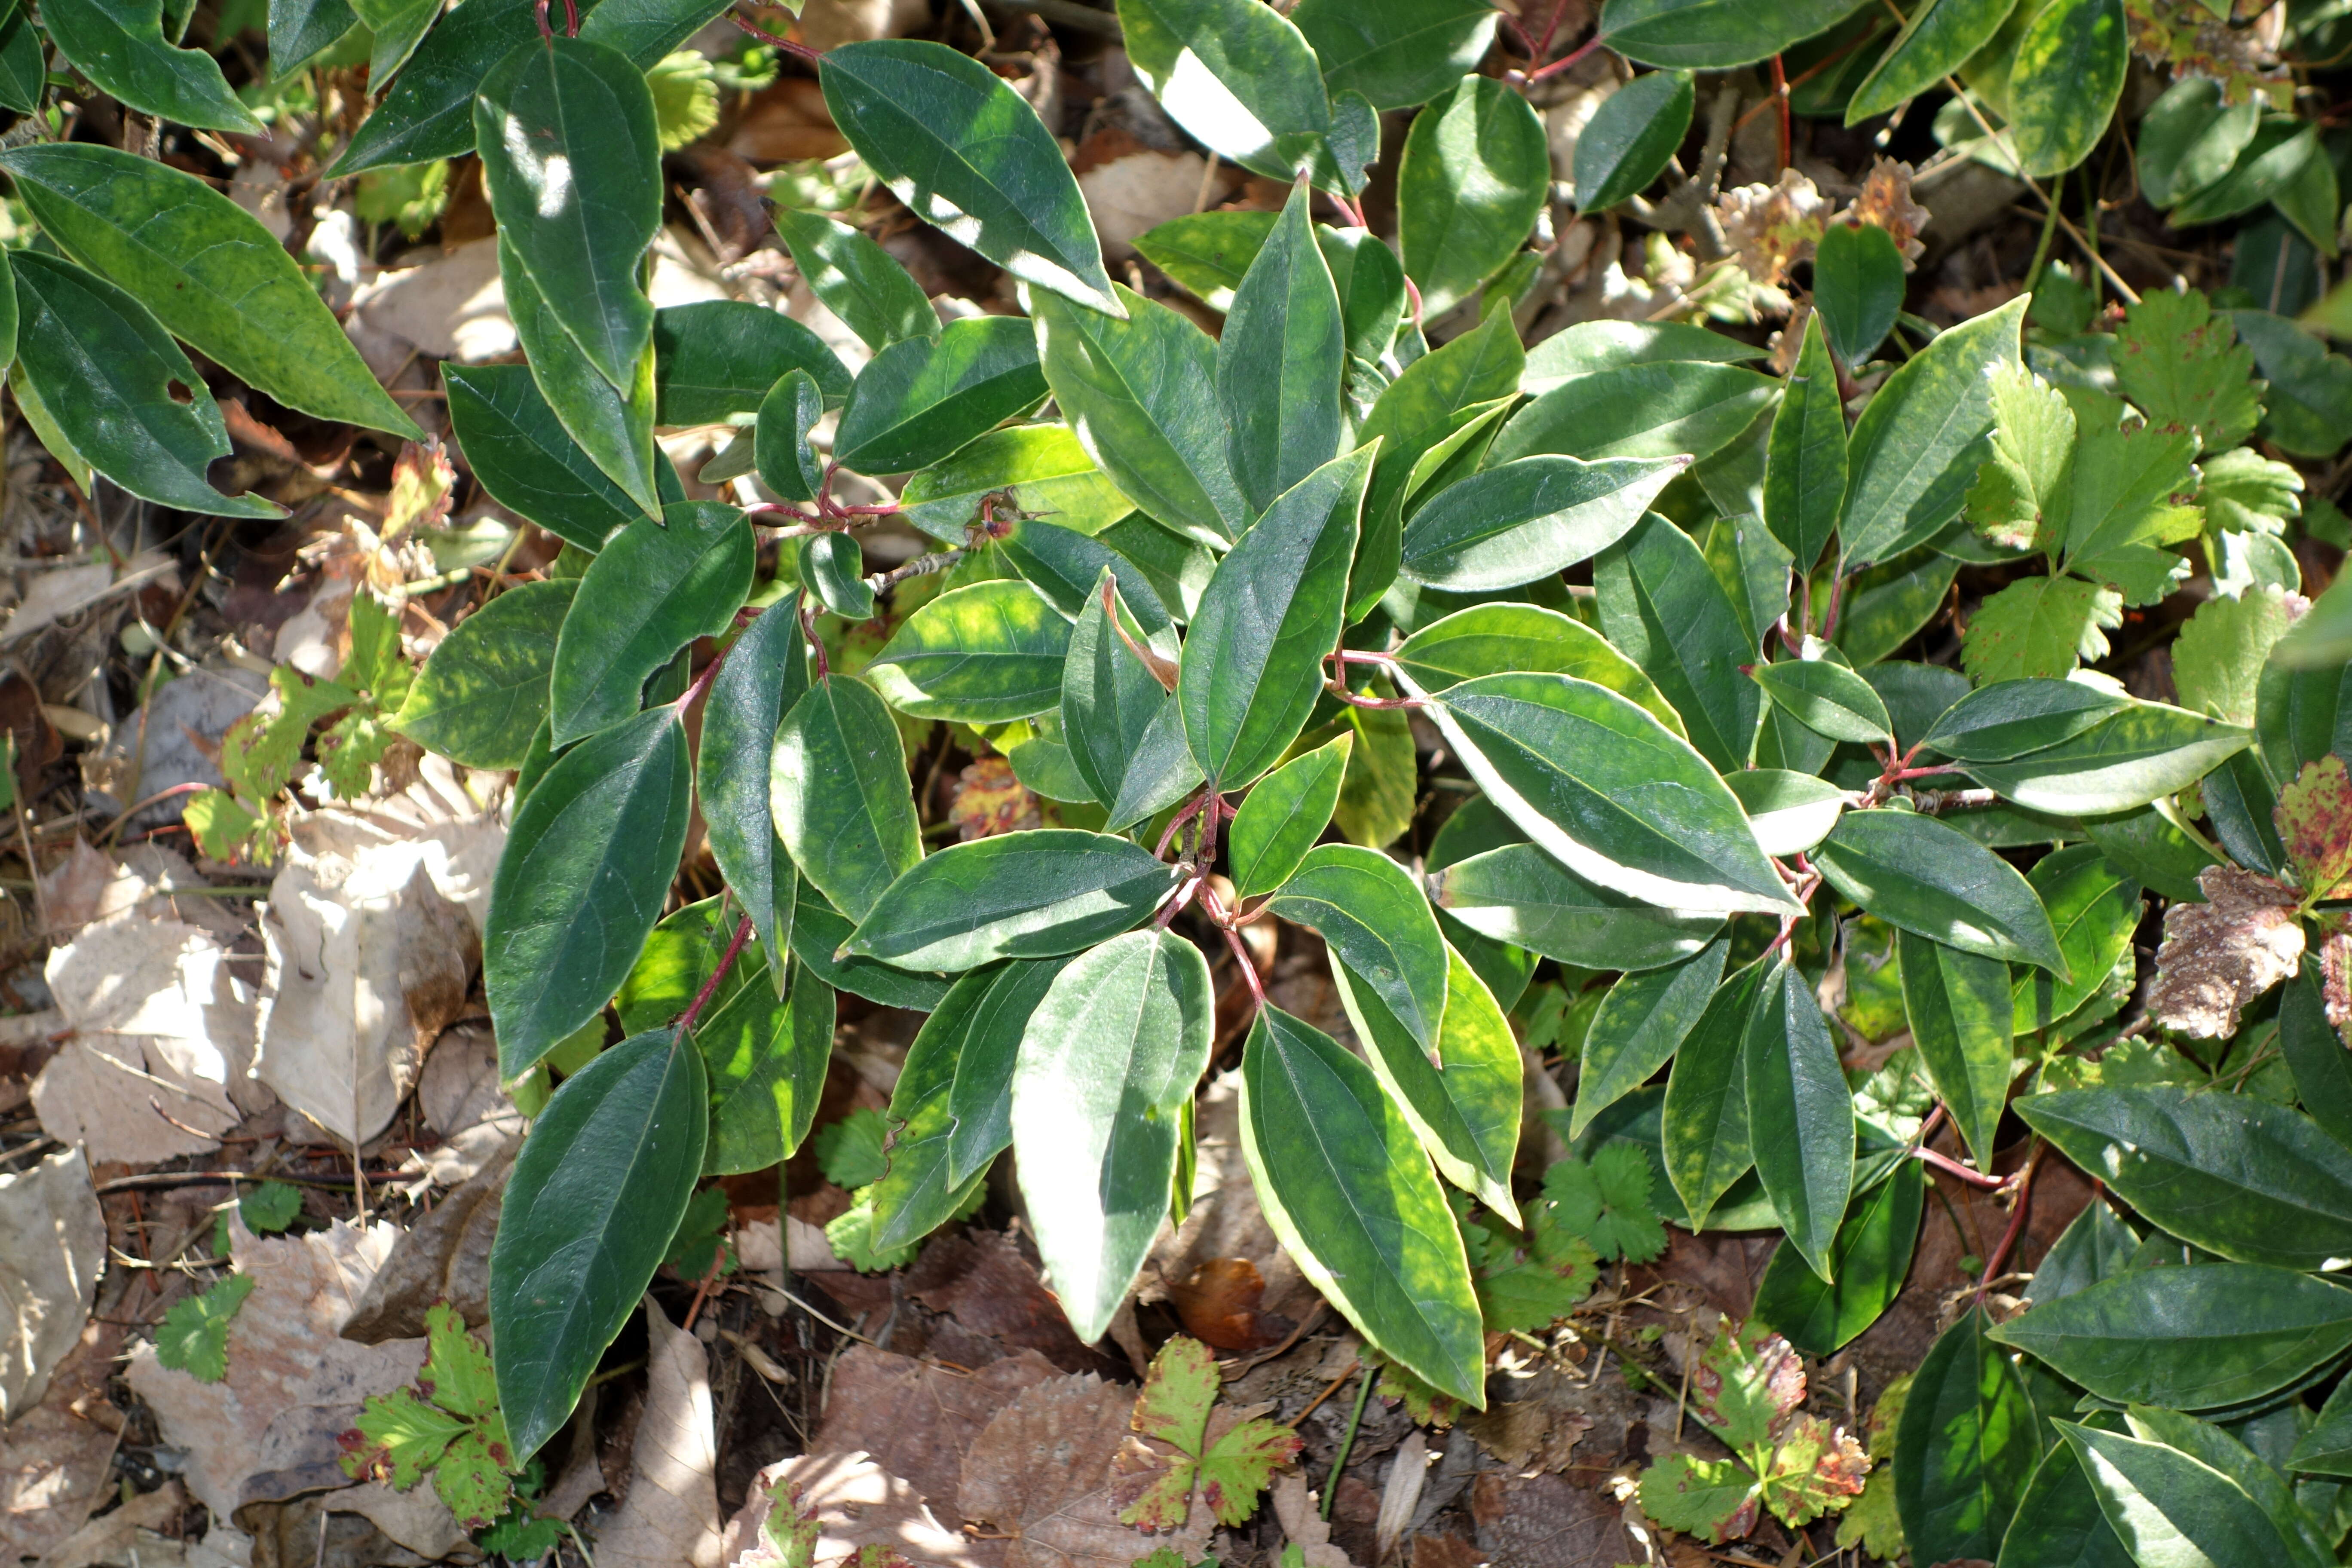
(52, 1250)
(55, 1456)
(463, 1099)
(1884, 202)
(856, 1504)
(2222, 953)
(669, 1518)
(113, 1537)
(443, 1255)
(1771, 227)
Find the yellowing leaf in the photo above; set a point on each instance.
(2039, 627)
(2314, 823)
(1714, 1499)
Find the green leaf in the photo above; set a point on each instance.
(2200, 1338)
(2315, 1055)
(588, 1213)
(651, 591)
(818, 931)
(1932, 880)
(2188, 140)
(780, 440)
(765, 673)
(857, 279)
(1607, 1203)
(1476, 172)
(2023, 494)
(969, 157)
(1525, 519)
(1610, 791)
(1858, 283)
(1282, 817)
(2183, 367)
(523, 457)
(2169, 1506)
(1519, 895)
(120, 46)
(1397, 53)
(1639, 1026)
(2040, 628)
(1661, 604)
(1890, 604)
(1706, 35)
(1350, 1195)
(1140, 392)
(2238, 1175)
(2250, 1473)
(1938, 39)
(1252, 662)
(2058, 1523)
(839, 795)
(716, 358)
(1828, 698)
(2326, 1449)
(614, 425)
(1868, 1261)
(2064, 82)
(828, 564)
(1805, 473)
(2095, 909)
(1916, 448)
(979, 655)
(1279, 363)
(2095, 1246)
(210, 272)
(647, 30)
(1714, 1499)
(923, 399)
(1017, 895)
(94, 366)
(1207, 252)
(1587, 347)
(428, 111)
(1796, 1088)
(1960, 1010)
(1490, 639)
(1124, 731)
(2009, 718)
(1705, 1143)
(483, 689)
(299, 30)
(2309, 401)
(1789, 811)
(1107, 1062)
(1383, 782)
(1237, 74)
(194, 1335)
(1043, 466)
(1628, 141)
(1374, 919)
(1662, 409)
(572, 164)
(1967, 1446)
(2143, 754)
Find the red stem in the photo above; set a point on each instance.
(1552, 28)
(726, 962)
(1959, 1171)
(2016, 1222)
(765, 37)
(808, 630)
(1249, 969)
(546, 33)
(1781, 93)
(1565, 60)
(571, 18)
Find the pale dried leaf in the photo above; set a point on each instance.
(1294, 1510)
(1771, 227)
(670, 1515)
(52, 1250)
(2222, 953)
(1043, 1472)
(1130, 187)
(917, 1420)
(453, 307)
(55, 1458)
(856, 1503)
(462, 1099)
(1884, 202)
(444, 1255)
(111, 1538)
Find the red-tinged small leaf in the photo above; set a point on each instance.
(1714, 1499)
(2314, 824)
(1817, 1469)
(424, 484)
(1747, 1384)
(472, 1480)
(1239, 1465)
(398, 1439)
(792, 1528)
(1174, 1403)
(1152, 1485)
(873, 1554)
(456, 1374)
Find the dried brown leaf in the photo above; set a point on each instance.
(917, 1420)
(1884, 202)
(54, 1458)
(1771, 227)
(1043, 1472)
(2222, 953)
(669, 1518)
(989, 801)
(855, 1502)
(52, 1250)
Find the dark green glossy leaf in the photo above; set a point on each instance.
(978, 655)
(2094, 909)
(721, 357)
(1663, 607)
(829, 564)
(1350, 1195)
(1207, 252)
(2315, 1055)
(1518, 894)
(1804, 474)
(1664, 409)
(518, 449)
(1828, 698)
(1476, 172)
(1017, 895)
(2299, 712)
(2095, 1244)
(2326, 1449)
(1046, 468)
(1375, 921)
(1397, 53)
(2011, 718)
(483, 690)
(1796, 1089)
(98, 369)
(1960, 1010)
(1521, 521)
(923, 399)
(2188, 140)
(1629, 137)
(780, 439)
(1491, 639)
(208, 269)
(839, 795)
(1938, 39)
(1105, 1066)
(1588, 347)
(119, 46)
(2249, 1474)
(1967, 1446)
(299, 30)
(1126, 737)
(2058, 1523)
(2235, 1174)
(969, 156)
(1285, 812)
(1252, 662)
(572, 164)
(1706, 34)
(1789, 811)
(23, 62)
(1916, 448)
(2174, 1504)
(595, 1195)
(645, 30)
(2194, 1338)
(1934, 881)
(587, 866)
(1892, 603)
(857, 279)
(818, 931)
(1868, 1262)
(2143, 754)
(428, 111)
(1705, 1143)
(765, 673)
(1235, 74)
(613, 424)
(1639, 1026)
(652, 590)
(1857, 287)
(1279, 363)
(2064, 82)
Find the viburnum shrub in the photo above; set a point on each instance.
(1641, 600)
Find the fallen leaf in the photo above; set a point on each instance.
(462, 1099)
(1044, 1473)
(670, 1514)
(2220, 954)
(444, 1255)
(61, 592)
(52, 1250)
(174, 740)
(452, 307)
(787, 123)
(1294, 1510)
(1130, 187)
(112, 1538)
(917, 1420)
(56, 1455)
(856, 1503)
(989, 801)
(1544, 1521)
(982, 1280)
(423, 487)
(1219, 1303)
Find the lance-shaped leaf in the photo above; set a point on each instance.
(1285, 812)
(1066, 566)
(1663, 607)
(120, 46)
(1630, 138)
(651, 591)
(716, 358)
(780, 440)
(1466, 1112)
(1253, 661)
(2058, 1523)
(1804, 467)
(1105, 1072)
(1916, 448)
(2166, 1506)
(299, 30)
(839, 795)
(2010, 717)
(2094, 909)
(1279, 362)
(1491, 639)
(2095, 1244)
(1664, 409)
(614, 424)
(765, 673)
(1797, 1091)
(818, 931)
(596, 1192)
(1639, 1026)
(523, 457)
(1519, 895)
(1237, 76)
(483, 689)
(2144, 753)
(208, 269)
(587, 866)
(1474, 173)
(572, 164)
(1867, 1263)
(1589, 346)
(2244, 1177)
(1397, 53)
(96, 371)
(2198, 1338)
(1706, 35)
(1367, 909)
(1017, 895)
(2314, 1053)
(857, 279)
(1960, 1010)
(969, 157)
(2305, 1540)
(1118, 719)
(428, 111)
(1705, 1142)
(923, 399)
(1939, 38)
(978, 655)
(1141, 393)
(1525, 519)
(1966, 1447)
(1350, 1195)
(1044, 467)
(1828, 698)
(2064, 84)
(1610, 793)
(1789, 811)
(1933, 881)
